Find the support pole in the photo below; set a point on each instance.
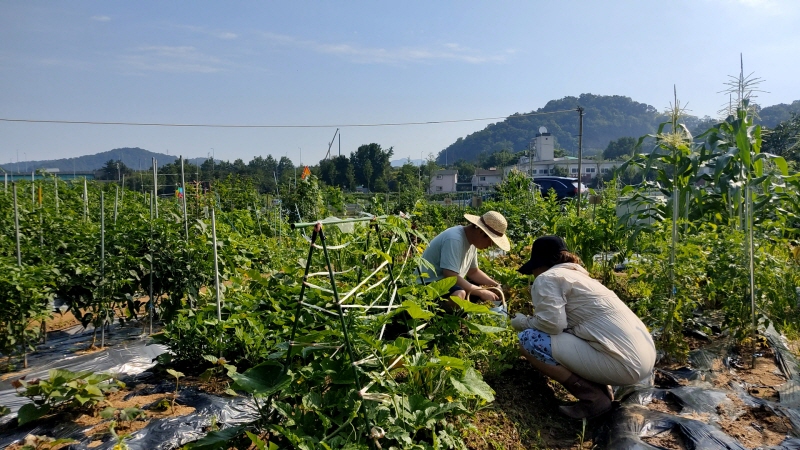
(155, 186)
(580, 157)
(216, 262)
(16, 224)
(85, 201)
(183, 200)
(103, 268)
(751, 264)
(151, 302)
(19, 264)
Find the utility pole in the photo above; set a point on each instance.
(580, 156)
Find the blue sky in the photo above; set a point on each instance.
(317, 63)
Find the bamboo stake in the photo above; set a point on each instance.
(55, 180)
(116, 197)
(183, 200)
(151, 302)
(155, 185)
(85, 201)
(102, 265)
(216, 265)
(19, 264)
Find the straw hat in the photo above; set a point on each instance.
(494, 225)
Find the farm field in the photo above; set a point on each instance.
(255, 326)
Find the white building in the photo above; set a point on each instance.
(485, 180)
(443, 181)
(543, 162)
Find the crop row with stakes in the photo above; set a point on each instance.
(305, 319)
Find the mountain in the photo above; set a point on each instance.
(771, 116)
(606, 118)
(404, 161)
(136, 158)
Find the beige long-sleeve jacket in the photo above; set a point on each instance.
(593, 333)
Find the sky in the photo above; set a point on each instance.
(284, 75)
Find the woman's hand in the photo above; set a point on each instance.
(520, 322)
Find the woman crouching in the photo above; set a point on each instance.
(581, 334)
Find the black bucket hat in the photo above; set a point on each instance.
(544, 252)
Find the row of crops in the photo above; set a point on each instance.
(325, 326)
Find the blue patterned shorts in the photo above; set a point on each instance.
(537, 343)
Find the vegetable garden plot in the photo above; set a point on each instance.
(310, 340)
(713, 405)
(128, 353)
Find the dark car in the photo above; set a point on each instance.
(565, 187)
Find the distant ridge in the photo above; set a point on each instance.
(134, 157)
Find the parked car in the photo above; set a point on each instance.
(565, 187)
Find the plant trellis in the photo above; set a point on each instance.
(383, 272)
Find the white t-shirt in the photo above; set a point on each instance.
(452, 251)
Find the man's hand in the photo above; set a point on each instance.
(485, 295)
(520, 322)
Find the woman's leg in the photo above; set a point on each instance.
(558, 373)
(594, 399)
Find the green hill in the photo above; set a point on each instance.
(606, 118)
(773, 115)
(135, 158)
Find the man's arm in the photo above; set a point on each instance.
(470, 288)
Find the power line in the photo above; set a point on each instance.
(206, 125)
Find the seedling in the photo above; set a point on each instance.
(120, 438)
(177, 376)
(122, 414)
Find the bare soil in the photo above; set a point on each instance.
(524, 414)
(125, 398)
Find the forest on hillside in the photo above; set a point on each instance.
(607, 118)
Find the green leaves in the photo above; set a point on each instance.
(262, 380)
(62, 389)
(30, 412)
(472, 384)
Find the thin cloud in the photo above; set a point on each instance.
(182, 59)
(768, 7)
(101, 18)
(377, 55)
(225, 35)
